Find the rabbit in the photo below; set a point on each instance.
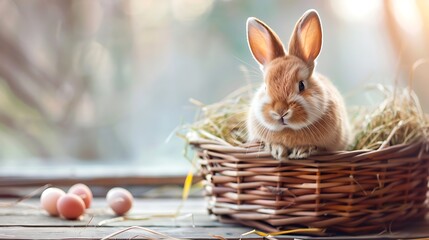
(296, 112)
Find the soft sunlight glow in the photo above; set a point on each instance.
(189, 10)
(355, 10)
(407, 16)
(148, 12)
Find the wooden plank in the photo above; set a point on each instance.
(22, 181)
(30, 214)
(92, 175)
(98, 233)
(29, 221)
(93, 221)
(229, 233)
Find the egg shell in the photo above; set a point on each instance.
(83, 191)
(49, 199)
(120, 200)
(70, 206)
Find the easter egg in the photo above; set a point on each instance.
(70, 206)
(49, 199)
(120, 200)
(83, 192)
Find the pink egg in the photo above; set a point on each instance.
(49, 199)
(120, 200)
(83, 192)
(70, 206)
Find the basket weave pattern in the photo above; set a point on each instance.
(353, 191)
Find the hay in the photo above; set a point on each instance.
(398, 119)
(224, 121)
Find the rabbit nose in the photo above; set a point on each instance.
(284, 117)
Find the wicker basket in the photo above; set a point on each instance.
(355, 191)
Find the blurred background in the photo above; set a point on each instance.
(103, 84)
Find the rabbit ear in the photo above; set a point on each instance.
(306, 40)
(263, 42)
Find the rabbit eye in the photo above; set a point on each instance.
(301, 86)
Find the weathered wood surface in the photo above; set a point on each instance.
(28, 221)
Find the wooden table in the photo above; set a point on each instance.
(28, 221)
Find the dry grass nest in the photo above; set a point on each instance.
(399, 119)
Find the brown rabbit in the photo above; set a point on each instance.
(296, 111)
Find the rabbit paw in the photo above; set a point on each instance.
(302, 152)
(278, 151)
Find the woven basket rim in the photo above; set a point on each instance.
(355, 155)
